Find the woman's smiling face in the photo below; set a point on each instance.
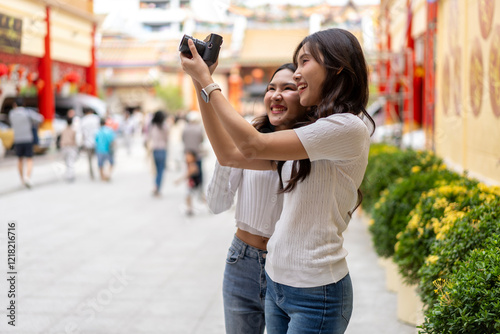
(309, 76)
(282, 100)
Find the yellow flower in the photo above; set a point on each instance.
(440, 203)
(439, 283)
(431, 259)
(414, 222)
(416, 169)
(371, 222)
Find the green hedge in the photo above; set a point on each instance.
(386, 164)
(469, 301)
(392, 211)
(469, 233)
(442, 230)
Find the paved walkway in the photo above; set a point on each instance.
(104, 258)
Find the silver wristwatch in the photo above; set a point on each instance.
(205, 92)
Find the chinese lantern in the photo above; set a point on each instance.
(40, 84)
(12, 68)
(20, 71)
(72, 77)
(31, 77)
(4, 70)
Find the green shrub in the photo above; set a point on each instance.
(467, 234)
(469, 300)
(386, 164)
(435, 213)
(390, 214)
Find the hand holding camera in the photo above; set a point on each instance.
(208, 48)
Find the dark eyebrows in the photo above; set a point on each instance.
(285, 84)
(305, 54)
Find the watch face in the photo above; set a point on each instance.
(204, 95)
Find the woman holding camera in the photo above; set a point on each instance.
(258, 207)
(322, 162)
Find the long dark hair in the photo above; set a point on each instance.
(158, 119)
(345, 89)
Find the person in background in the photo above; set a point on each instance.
(75, 125)
(157, 138)
(193, 136)
(128, 131)
(23, 121)
(104, 141)
(69, 149)
(89, 125)
(193, 177)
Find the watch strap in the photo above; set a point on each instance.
(209, 89)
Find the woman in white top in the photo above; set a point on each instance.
(157, 138)
(258, 207)
(308, 288)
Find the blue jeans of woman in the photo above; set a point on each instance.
(244, 289)
(319, 310)
(160, 158)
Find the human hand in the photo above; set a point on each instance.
(195, 67)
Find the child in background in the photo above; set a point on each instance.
(69, 149)
(193, 176)
(104, 142)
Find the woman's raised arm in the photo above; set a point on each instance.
(253, 145)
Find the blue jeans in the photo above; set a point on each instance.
(244, 289)
(160, 158)
(319, 310)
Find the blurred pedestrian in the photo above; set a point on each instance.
(193, 177)
(193, 136)
(75, 125)
(128, 131)
(69, 149)
(104, 142)
(24, 122)
(89, 125)
(157, 137)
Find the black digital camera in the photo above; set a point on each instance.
(208, 48)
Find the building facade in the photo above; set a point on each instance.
(47, 48)
(453, 52)
(256, 42)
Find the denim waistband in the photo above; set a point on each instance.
(248, 250)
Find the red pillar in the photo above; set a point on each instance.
(91, 70)
(46, 93)
(430, 68)
(409, 71)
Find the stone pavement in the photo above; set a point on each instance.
(105, 258)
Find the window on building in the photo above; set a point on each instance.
(155, 4)
(156, 26)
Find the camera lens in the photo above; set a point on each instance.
(184, 47)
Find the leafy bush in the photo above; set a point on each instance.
(469, 301)
(386, 164)
(467, 234)
(390, 214)
(171, 96)
(435, 213)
